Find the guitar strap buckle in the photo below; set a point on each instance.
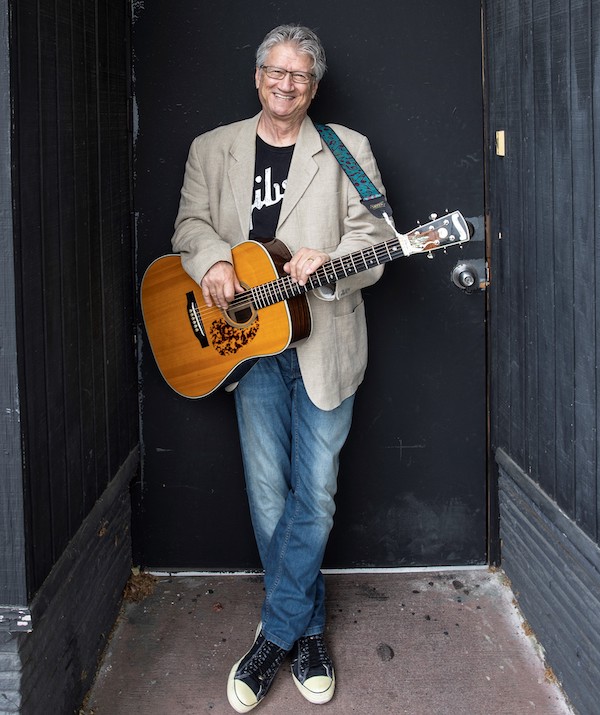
(377, 205)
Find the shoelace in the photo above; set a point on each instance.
(313, 653)
(267, 658)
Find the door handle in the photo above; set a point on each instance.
(471, 276)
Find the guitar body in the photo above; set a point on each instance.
(199, 349)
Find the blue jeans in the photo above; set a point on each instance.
(290, 450)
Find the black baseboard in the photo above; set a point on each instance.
(50, 669)
(554, 569)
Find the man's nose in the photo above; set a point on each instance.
(287, 82)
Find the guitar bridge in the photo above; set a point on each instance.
(196, 319)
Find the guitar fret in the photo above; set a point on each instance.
(372, 260)
(293, 288)
(276, 292)
(314, 281)
(270, 293)
(361, 255)
(345, 266)
(395, 247)
(265, 294)
(258, 297)
(334, 273)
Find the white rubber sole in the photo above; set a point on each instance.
(240, 696)
(321, 692)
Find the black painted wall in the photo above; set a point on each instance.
(413, 480)
(73, 262)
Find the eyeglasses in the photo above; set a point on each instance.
(278, 73)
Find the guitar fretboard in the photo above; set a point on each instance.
(330, 272)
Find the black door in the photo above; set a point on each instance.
(412, 486)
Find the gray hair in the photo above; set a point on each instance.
(305, 40)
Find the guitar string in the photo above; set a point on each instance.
(284, 288)
(346, 265)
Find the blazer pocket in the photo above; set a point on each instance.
(351, 345)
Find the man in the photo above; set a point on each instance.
(268, 176)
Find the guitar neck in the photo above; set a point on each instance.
(449, 230)
(334, 270)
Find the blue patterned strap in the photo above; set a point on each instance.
(373, 199)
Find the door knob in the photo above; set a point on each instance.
(470, 276)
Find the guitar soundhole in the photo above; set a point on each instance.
(241, 317)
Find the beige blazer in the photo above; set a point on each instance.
(321, 209)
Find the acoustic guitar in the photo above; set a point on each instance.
(199, 349)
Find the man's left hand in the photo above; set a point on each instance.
(305, 262)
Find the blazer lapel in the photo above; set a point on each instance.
(241, 171)
(303, 167)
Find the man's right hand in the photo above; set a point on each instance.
(220, 284)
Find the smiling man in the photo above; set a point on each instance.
(269, 176)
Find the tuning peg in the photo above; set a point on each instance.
(433, 216)
(430, 255)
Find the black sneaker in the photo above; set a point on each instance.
(251, 677)
(312, 669)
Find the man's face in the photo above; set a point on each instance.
(284, 99)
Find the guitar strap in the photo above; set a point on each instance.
(370, 196)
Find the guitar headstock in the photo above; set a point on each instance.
(449, 230)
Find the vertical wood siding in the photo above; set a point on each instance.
(543, 67)
(74, 261)
(13, 588)
(544, 89)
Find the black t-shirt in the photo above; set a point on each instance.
(270, 172)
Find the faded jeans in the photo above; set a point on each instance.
(290, 450)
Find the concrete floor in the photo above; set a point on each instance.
(435, 643)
